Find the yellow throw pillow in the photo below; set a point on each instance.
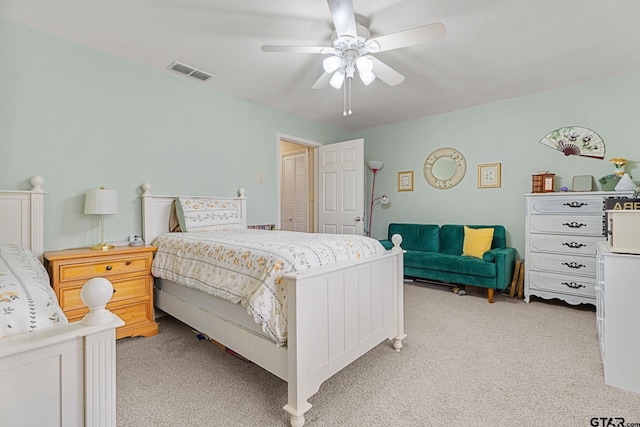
(477, 241)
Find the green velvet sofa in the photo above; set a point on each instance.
(434, 252)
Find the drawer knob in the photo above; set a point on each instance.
(573, 285)
(109, 268)
(574, 224)
(573, 264)
(574, 245)
(128, 263)
(575, 204)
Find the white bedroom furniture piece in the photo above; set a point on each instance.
(335, 313)
(64, 375)
(618, 317)
(561, 236)
(127, 267)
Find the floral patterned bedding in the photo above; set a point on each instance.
(27, 301)
(247, 266)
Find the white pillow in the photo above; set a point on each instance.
(202, 214)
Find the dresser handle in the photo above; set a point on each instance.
(573, 264)
(109, 268)
(574, 245)
(574, 224)
(575, 204)
(573, 285)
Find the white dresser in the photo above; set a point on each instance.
(618, 317)
(562, 232)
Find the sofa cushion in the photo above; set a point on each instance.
(477, 241)
(449, 263)
(417, 237)
(452, 237)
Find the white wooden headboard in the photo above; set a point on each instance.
(156, 211)
(22, 217)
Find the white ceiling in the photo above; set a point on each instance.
(493, 50)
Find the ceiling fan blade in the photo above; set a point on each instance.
(298, 49)
(423, 34)
(386, 73)
(322, 82)
(344, 18)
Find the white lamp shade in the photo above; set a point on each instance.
(101, 202)
(337, 79)
(367, 77)
(375, 164)
(331, 63)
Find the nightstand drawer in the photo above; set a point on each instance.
(124, 290)
(105, 268)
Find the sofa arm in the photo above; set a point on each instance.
(388, 244)
(505, 260)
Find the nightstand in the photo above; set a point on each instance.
(129, 270)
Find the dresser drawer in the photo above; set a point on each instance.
(580, 286)
(124, 290)
(568, 205)
(131, 314)
(575, 225)
(572, 245)
(106, 268)
(567, 264)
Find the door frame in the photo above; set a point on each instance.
(308, 143)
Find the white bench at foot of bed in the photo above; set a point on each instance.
(63, 376)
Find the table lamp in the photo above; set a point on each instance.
(101, 202)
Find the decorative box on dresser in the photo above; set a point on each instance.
(561, 236)
(129, 270)
(618, 317)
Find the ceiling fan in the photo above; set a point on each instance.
(351, 49)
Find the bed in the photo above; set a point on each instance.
(58, 374)
(335, 313)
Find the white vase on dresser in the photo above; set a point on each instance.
(562, 230)
(618, 317)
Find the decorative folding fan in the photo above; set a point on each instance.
(577, 141)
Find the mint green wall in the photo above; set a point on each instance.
(82, 119)
(508, 133)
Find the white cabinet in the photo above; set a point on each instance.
(563, 230)
(618, 317)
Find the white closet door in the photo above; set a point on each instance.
(294, 193)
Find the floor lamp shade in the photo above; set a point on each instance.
(101, 202)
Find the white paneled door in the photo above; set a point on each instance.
(295, 186)
(341, 188)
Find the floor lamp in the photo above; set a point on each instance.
(375, 166)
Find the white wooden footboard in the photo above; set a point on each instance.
(335, 316)
(63, 376)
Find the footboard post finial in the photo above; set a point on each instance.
(95, 294)
(397, 240)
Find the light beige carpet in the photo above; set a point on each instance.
(465, 362)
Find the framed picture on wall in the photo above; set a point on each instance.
(405, 181)
(489, 175)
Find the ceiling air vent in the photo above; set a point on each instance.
(190, 71)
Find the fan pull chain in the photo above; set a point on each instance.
(346, 101)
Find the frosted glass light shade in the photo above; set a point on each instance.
(101, 202)
(337, 79)
(375, 164)
(331, 63)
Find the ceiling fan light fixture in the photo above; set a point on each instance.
(364, 64)
(331, 63)
(367, 77)
(337, 79)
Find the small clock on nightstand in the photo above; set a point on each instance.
(129, 270)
